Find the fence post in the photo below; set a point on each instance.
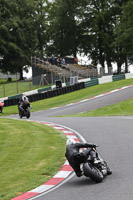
(29, 85)
(17, 86)
(52, 81)
(4, 90)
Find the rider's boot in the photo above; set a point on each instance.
(80, 173)
(96, 161)
(109, 172)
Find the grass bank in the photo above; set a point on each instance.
(119, 109)
(71, 97)
(30, 154)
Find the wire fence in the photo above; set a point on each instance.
(10, 88)
(16, 87)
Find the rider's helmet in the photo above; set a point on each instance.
(25, 100)
(70, 141)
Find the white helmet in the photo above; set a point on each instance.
(70, 141)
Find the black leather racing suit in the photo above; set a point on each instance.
(75, 158)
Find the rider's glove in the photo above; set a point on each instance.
(93, 145)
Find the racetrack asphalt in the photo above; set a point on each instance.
(113, 135)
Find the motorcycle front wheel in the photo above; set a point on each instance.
(20, 114)
(93, 172)
(28, 114)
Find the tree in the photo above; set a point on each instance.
(101, 29)
(41, 25)
(98, 31)
(63, 30)
(120, 55)
(18, 34)
(124, 32)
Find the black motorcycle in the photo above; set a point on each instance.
(24, 109)
(97, 171)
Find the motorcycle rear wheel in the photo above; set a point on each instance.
(93, 172)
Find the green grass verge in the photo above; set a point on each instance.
(30, 154)
(118, 109)
(71, 97)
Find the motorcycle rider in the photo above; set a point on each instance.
(22, 99)
(75, 157)
(1, 107)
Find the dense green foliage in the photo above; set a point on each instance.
(102, 29)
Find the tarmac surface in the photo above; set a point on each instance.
(113, 135)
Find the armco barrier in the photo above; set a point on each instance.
(105, 79)
(15, 96)
(129, 75)
(118, 77)
(44, 89)
(92, 82)
(68, 83)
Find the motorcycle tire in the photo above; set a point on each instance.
(20, 114)
(93, 172)
(28, 114)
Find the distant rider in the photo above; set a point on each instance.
(1, 107)
(22, 101)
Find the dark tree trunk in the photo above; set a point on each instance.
(21, 74)
(126, 65)
(119, 68)
(109, 65)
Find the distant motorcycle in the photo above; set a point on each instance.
(24, 109)
(98, 171)
(1, 107)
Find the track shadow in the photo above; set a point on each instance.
(82, 182)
